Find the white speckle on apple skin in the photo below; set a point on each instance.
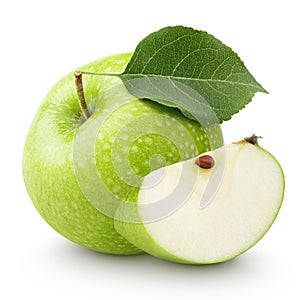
(125, 150)
(118, 159)
(106, 146)
(134, 149)
(148, 141)
(124, 137)
(106, 158)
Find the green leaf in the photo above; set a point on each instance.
(191, 70)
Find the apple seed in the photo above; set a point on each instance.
(205, 161)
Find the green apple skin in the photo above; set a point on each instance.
(48, 158)
(139, 234)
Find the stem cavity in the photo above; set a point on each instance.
(80, 93)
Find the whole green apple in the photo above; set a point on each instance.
(75, 169)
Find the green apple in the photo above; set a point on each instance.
(246, 202)
(76, 171)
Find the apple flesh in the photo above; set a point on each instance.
(57, 168)
(247, 200)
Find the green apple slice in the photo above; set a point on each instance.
(246, 201)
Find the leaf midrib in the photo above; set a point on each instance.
(193, 79)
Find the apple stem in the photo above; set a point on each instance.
(80, 93)
(253, 139)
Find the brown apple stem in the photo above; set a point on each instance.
(253, 139)
(80, 93)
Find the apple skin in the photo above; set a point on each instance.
(49, 172)
(48, 159)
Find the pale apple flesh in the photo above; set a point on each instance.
(48, 162)
(244, 207)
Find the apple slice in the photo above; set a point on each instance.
(246, 186)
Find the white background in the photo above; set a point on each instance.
(41, 41)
